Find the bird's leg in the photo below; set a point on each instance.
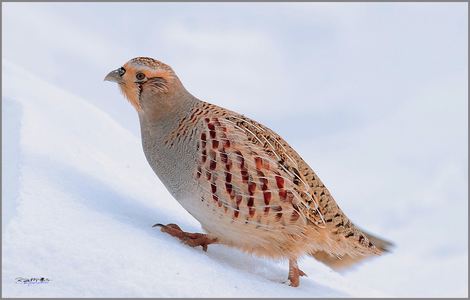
(191, 239)
(294, 273)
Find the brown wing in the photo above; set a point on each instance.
(245, 179)
(249, 170)
(313, 200)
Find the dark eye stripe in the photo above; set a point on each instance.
(121, 71)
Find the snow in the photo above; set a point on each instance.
(378, 106)
(84, 205)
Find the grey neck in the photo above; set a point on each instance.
(160, 115)
(164, 107)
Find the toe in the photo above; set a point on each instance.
(189, 238)
(294, 283)
(174, 226)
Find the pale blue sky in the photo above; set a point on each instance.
(374, 96)
(355, 61)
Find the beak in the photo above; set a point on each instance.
(113, 76)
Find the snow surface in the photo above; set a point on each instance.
(380, 91)
(84, 203)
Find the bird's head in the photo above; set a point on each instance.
(144, 78)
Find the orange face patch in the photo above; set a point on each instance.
(131, 85)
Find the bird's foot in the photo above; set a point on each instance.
(294, 273)
(191, 239)
(294, 281)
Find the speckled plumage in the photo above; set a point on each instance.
(246, 186)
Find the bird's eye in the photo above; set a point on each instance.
(121, 71)
(140, 76)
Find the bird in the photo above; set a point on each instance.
(247, 187)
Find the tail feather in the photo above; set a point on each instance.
(346, 261)
(383, 245)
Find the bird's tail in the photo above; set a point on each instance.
(346, 261)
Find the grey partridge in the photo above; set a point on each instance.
(246, 186)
